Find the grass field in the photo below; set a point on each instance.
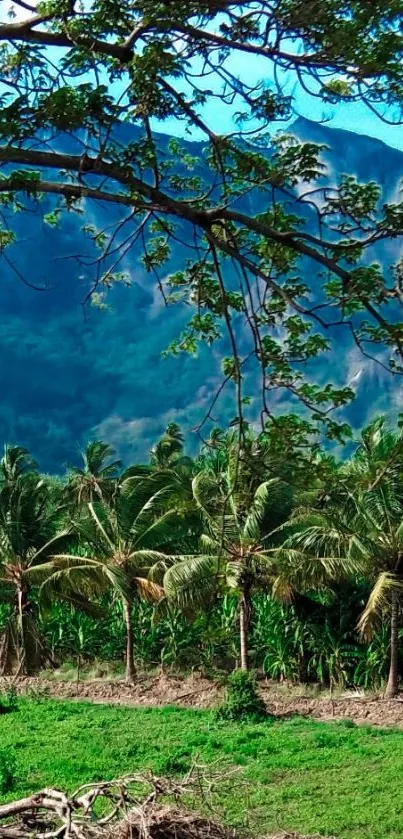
(332, 779)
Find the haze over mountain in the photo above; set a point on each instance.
(68, 375)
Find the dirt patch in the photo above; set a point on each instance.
(204, 694)
(198, 692)
(193, 692)
(361, 710)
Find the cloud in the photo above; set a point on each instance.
(133, 438)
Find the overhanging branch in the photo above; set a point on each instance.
(158, 200)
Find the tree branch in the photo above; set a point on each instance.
(159, 200)
(24, 31)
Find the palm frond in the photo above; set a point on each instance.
(146, 558)
(282, 589)
(158, 532)
(233, 574)
(378, 602)
(49, 547)
(148, 590)
(67, 573)
(308, 571)
(95, 514)
(192, 580)
(158, 569)
(205, 492)
(209, 544)
(147, 510)
(268, 502)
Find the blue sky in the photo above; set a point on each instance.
(352, 117)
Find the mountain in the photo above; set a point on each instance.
(68, 373)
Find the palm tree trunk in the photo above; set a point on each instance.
(392, 687)
(243, 631)
(21, 651)
(130, 665)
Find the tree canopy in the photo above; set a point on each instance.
(208, 561)
(267, 245)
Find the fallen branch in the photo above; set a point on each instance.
(125, 808)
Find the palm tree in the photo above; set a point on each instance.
(238, 545)
(31, 532)
(97, 478)
(362, 523)
(169, 449)
(245, 518)
(129, 536)
(28, 536)
(168, 465)
(16, 461)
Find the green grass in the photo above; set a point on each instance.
(333, 779)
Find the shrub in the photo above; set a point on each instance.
(242, 699)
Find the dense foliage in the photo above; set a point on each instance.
(237, 557)
(280, 264)
(270, 257)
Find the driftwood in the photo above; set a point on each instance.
(132, 807)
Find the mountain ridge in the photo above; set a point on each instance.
(101, 374)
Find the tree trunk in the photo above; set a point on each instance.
(22, 649)
(130, 665)
(392, 687)
(243, 631)
(22, 598)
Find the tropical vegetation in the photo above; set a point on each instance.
(263, 549)
(240, 556)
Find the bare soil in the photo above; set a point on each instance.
(198, 692)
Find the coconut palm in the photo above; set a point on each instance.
(96, 479)
(16, 461)
(168, 466)
(130, 536)
(169, 449)
(172, 473)
(242, 548)
(363, 524)
(30, 535)
(237, 545)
